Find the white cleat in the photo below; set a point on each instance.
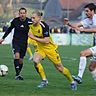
(43, 84)
(74, 86)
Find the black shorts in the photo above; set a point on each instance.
(19, 47)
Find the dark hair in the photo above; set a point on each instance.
(22, 8)
(38, 13)
(91, 6)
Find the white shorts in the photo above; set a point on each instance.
(93, 50)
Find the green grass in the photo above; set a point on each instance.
(58, 84)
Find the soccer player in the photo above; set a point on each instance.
(19, 42)
(39, 31)
(89, 25)
(29, 51)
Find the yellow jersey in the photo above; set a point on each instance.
(41, 31)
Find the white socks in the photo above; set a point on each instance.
(94, 74)
(82, 66)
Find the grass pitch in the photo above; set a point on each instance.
(58, 84)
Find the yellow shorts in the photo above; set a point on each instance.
(52, 55)
(32, 42)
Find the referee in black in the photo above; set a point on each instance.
(19, 42)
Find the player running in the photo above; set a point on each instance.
(39, 31)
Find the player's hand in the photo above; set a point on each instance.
(79, 29)
(1, 40)
(31, 35)
(66, 21)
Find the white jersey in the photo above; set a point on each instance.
(89, 23)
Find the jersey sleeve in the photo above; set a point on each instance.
(45, 30)
(8, 30)
(29, 21)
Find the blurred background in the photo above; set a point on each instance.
(54, 11)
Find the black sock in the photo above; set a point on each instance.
(16, 65)
(20, 67)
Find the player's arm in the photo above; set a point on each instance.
(92, 30)
(72, 25)
(46, 36)
(7, 32)
(42, 40)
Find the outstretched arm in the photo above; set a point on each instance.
(75, 25)
(92, 30)
(7, 32)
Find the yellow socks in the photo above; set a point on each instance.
(67, 74)
(29, 51)
(41, 71)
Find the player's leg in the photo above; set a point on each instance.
(19, 53)
(20, 64)
(17, 66)
(22, 54)
(18, 69)
(16, 63)
(16, 51)
(67, 74)
(39, 68)
(55, 58)
(82, 64)
(29, 51)
(92, 68)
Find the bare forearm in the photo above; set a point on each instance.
(92, 30)
(72, 25)
(42, 40)
(89, 30)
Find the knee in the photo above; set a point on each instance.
(82, 54)
(17, 55)
(92, 65)
(36, 61)
(59, 67)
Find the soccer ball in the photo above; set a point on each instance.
(3, 70)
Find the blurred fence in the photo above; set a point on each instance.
(63, 39)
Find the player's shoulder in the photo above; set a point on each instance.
(29, 20)
(15, 19)
(43, 24)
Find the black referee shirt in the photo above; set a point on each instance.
(21, 29)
